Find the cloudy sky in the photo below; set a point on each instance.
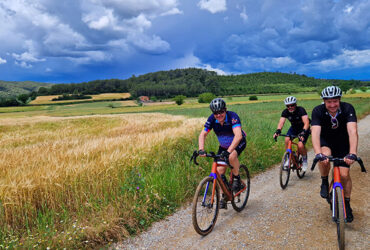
(82, 40)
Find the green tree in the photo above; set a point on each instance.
(363, 88)
(206, 97)
(179, 99)
(23, 99)
(253, 98)
(344, 86)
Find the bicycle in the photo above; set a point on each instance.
(336, 199)
(206, 201)
(294, 159)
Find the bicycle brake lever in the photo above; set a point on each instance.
(314, 164)
(359, 160)
(194, 157)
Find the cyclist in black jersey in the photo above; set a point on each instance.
(334, 132)
(232, 139)
(300, 125)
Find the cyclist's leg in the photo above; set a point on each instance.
(324, 171)
(234, 161)
(345, 178)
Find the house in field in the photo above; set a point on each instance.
(144, 99)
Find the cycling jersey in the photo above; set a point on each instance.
(224, 132)
(334, 132)
(295, 118)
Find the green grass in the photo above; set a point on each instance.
(161, 181)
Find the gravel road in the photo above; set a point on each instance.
(294, 218)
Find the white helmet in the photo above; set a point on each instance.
(331, 92)
(290, 100)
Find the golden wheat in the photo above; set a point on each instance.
(45, 159)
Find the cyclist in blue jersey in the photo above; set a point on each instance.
(232, 139)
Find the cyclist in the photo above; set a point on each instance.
(300, 125)
(334, 132)
(232, 139)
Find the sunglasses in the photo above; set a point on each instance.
(290, 106)
(334, 123)
(219, 112)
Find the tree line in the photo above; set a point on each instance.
(192, 82)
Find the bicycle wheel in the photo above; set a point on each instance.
(284, 171)
(204, 212)
(300, 172)
(240, 201)
(339, 209)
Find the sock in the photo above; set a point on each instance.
(325, 180)
(236, 176)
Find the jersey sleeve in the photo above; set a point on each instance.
(209, 123)
(316, 119)
(351, 114)
(302, 112)
(284, 113)
(235, 121)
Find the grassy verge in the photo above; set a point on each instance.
(80, 182)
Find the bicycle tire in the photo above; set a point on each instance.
(284, 173)
(300, 172)
(340, 217)
(204, 216)
(239, 202)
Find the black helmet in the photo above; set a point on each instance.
(331, 92)
(217, 105)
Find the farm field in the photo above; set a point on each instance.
(73, 179)
(106, 96)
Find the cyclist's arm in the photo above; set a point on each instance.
(353, 139)
(281, 123)
(237, 138)
(202, 139)
(316, 131)
(306, 122)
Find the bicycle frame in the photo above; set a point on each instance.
(217, 177)
(290, 150)
(337, 183)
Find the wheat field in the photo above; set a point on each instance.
(59, 162)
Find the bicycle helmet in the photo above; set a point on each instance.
(331, 92)
(217, 105)
(290, 100)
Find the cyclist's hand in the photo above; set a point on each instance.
(350, 158)
(277, 133)
(201, 152)
(225, 155)
(302, 134)
(321, 157)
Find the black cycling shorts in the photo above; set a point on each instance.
(239, 149)
(293, 131)
(338, 148)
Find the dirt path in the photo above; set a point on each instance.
(294, 218)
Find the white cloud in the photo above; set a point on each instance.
(191, 61)
(213, 6)
(348, 59)
(2, 61)
(243, 15)
(152, 45)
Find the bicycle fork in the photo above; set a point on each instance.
(335, 185)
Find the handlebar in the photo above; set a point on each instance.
(290, 136)
(210, 155)
(339, 160)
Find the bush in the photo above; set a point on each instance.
(206, 97)
(352, 91)
(179, 99)
(253, 98)
(363, 89)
